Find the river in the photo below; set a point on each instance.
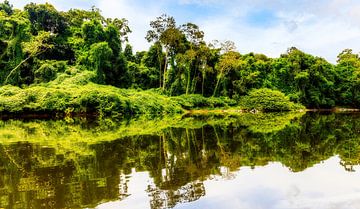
(260, 161)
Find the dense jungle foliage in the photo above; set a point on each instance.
(68, 61)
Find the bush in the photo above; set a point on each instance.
(45, 73)
(90, 98)
(74, 76)
(268, 100)
(48, 71)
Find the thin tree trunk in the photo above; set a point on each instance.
(202, 85)
(193, 82)
(159, 59)
(22, 62)
(188, 81)
(13, 70)
(217, 84)
(165, 67)
(160, 77)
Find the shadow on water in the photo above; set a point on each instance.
(78, 163)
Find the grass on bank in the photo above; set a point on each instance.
(100, 99)
(75, 93)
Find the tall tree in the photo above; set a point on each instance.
(14, 31)
(7, 7)
(185, 61)
(193, 34)
(44, 17)
(36, 46)
(227, 62)
(348, 78)
(165, 31)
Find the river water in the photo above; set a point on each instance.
(270, 161)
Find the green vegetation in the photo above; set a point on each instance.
(268, 100)
(79, 61)
(84, 99)
(94, 98)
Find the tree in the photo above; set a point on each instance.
(122, 26)
(227, 46)
(76, 17)
(14, 31)
(7, 7)
(348, 78)
(165, 32)
(100, 60)
(228, 61)
(185, 60)
(193, 34)
(128, 53)
(155, 58)
(44, 17)
(193, 55)
(205, 54)
(93, 32)
(251, 73)
(33, 48)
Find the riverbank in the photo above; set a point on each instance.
(335, 109)
(98, 100)
(94, 100)
(239, 111)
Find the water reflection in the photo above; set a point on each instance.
(209, 161)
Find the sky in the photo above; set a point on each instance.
(319, 27)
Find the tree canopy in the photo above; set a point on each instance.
(41, 45)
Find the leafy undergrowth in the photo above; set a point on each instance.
(103, 100)
(89, 98)
(196, 101)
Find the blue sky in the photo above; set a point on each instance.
(320, 27)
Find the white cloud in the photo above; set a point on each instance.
(139, 13)
(201, 2)
(321, 28)
(139, 16)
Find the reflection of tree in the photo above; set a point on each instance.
(69, 168)
(43, 179)
(169, 198)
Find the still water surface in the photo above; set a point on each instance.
(247, 161)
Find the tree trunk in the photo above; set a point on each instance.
(13, 70)
(160, 77)
(165, 67)
(217, 84)
(193, 82)
(22, 62)
(188, 81)
(203, 73)
(159, 59)
(202, 84)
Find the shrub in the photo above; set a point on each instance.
(268, 100)
(45, 73)
(90, 98)
(48, 70)
(74, 76)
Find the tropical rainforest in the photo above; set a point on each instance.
(78, 61)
